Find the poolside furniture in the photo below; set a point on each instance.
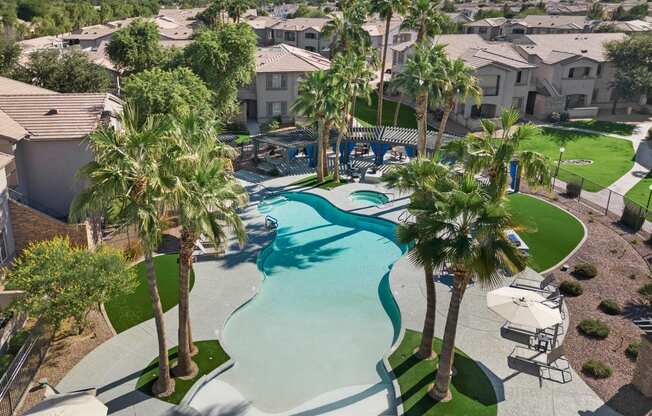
(540, 363)
(515, 239)
(271, 223)
(79, 403)
(523, 307)
(204, 246)
(531, 280)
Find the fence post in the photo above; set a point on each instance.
(579, 197)
(606, 210)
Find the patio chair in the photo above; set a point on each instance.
(538, 363)
(548, 284)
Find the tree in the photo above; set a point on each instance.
(454, 82)
(346, 31)
(469, 230)
(225, 60)
(596, 11)
(630, 84)
(424, 17)
(632, 57)
(236, 8)
(214, 13)
(136, 47)
(386, 9)
(64, 282)
(9, 55)
(127, 185)
(206, 198)
(318, 103)
(67, 70)
(175, 93)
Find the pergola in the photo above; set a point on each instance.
(381, 139)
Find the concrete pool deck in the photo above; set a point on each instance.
(225, 283)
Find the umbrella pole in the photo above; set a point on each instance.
(554, 338)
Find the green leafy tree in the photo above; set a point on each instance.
(632, 57)
(236, 8)
(424, 17)
(176, 93)
(9, 54)
(64, 282)
(346, 31)
(136, 47)
(629, 84)
(65, 71)
(596, 11)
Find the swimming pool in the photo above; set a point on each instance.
(369, 197)
(324, 315)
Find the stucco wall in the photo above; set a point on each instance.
(4, 215)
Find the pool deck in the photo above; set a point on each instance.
(223, 284)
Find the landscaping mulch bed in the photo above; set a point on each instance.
(65, 353)
(619, 256)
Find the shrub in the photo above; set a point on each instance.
(646, 291)
(594, 328)
(5, 361)
(597, 369)
(632, 349)
(633, 216)
(133, 251)
(270, 125)
(610, 307)
(17, 341)
(554, 117)
(573, 189)
(585, 270)
(570, 288)
(564, 116)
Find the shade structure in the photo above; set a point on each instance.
(69, 404)
(523, 307)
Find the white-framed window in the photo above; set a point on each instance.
(276, 108)
(277, 81)
(517, 103)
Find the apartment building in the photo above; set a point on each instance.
(303, 33)
(279, 68)
(511, 29)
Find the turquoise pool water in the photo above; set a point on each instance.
(324, 315)
(369, 197)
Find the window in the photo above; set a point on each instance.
(406, 37)
(598, 72)
(290, 36)
(490, 85)
(484, 111)
(482, 30)
(575, 100)
(277, 81)
(310, 48)
(519, 77)
(277, 108)
(594, 96)
(579, 72)
(278, 33)
(518, 31)
(517, 103)
(310, 35)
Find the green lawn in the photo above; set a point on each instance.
(550, 233)
(127, 311)
(367, 113)
(210, 356)
(311, 181)
(611, 157)
(641, 191)
(472, 391)
(603, 126)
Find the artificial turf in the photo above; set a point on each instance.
(366, 112)
(472, 391)
(129, 310)
(311, 181)
(640, 193)
(210, 356)
(611, 157)
(622, 129)
(549, 232)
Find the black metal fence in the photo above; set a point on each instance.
(16, 380)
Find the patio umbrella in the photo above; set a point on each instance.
(69, 404)
(523, 307)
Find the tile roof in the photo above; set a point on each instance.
(555, 21)
(559, 47)
(9, 129)
(262, 22)
(302, 23)
(58, 116)
(10, 86)
(5, 159)
(488, 22)
(286, 58)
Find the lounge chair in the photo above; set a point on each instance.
(548, 284)
(539, 363)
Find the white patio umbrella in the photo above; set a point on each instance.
(523, 307)
(69, 404)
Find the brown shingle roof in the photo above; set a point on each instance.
(58, 116)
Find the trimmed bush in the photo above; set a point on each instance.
(594, 328)
(632, 350)
(16, 342)
(597, 369)
(646, 291)
(610, 307)
(573, 189)
(570, 288)
(133, 251)
(5, 361)
(633, 216)
(585, 270)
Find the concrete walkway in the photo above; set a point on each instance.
(223, 284)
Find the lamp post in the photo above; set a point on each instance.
(561, 153)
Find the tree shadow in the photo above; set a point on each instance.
(627, 401)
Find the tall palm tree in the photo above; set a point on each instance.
(456, 83)
(346, 31)
(386, 9)
(491, 153)
(416, 177)
(205, 197)
(317, 101)
(351, 77)
(424, 17)
(471, 237)
(126, 184)
(236, 8)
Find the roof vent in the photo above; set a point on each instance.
(52, 112)
(584, 50)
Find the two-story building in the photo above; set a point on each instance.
(303, 33)
(279, 69)
(510, 29)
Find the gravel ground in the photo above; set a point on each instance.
(622, 269)
(64, 353)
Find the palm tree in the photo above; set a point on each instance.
(351, 77)
(491, 153)
(205, 196)
(126, 183)
(471, 237)
(317, 101)
(415, 177)
(424, 17)
(456, 83)
(386, 9)
(346, 31)
(237, 8)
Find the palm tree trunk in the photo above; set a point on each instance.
(442, 127)
(336, 168)
(193, 348)
(326, 137)
(422, 110)
(320, 159)
(441, 389)
(428, 334)
(164, 385)
(398, 108)
(381, 86)
(185, 368)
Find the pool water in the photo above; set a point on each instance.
(324, 316)
(369, 197)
